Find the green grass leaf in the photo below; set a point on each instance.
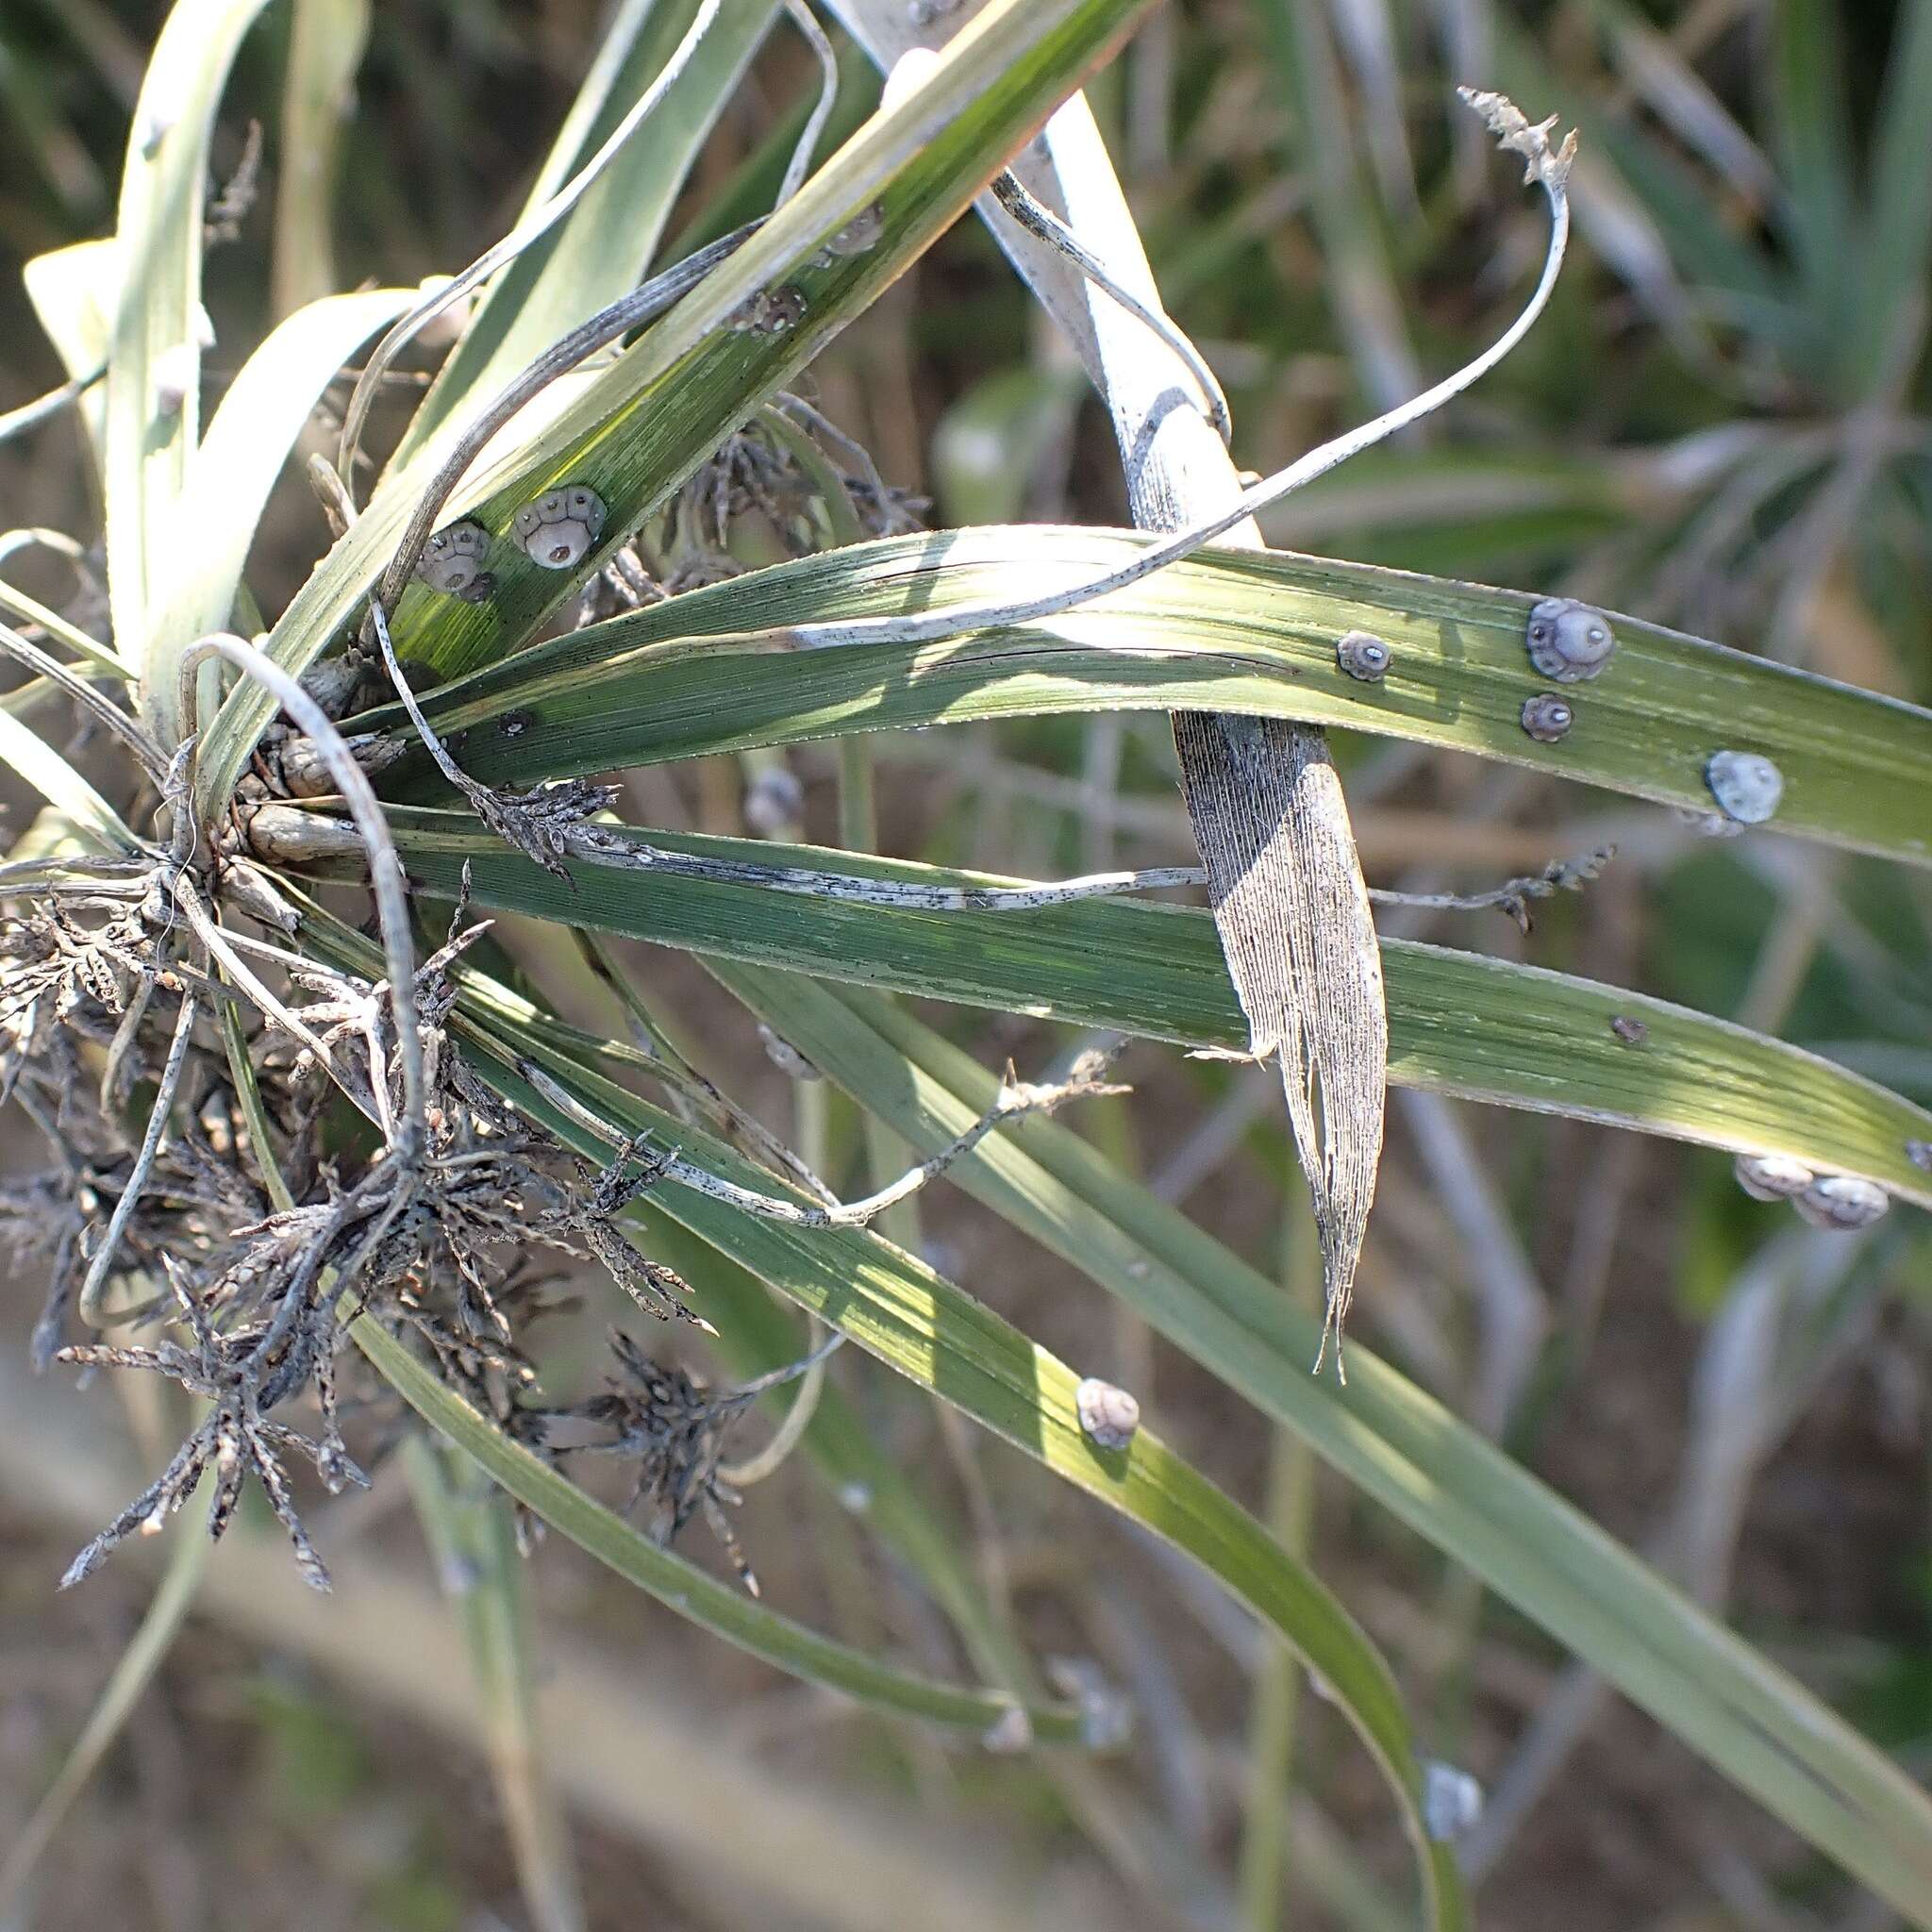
(470, 1532)
(32, 759)
(1242, 631)
(74, 291)
(326, 39)
(1458, 1024)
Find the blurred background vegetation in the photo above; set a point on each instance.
(1722, 425)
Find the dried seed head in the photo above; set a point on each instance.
(1546, 717)
(1569, 641)
(452, 561)
(1452, 1801)
(559, 529)
(1745, 785)
(1109, 1416)
(1772, 1176)
(1363, 655)
(1841, 1201)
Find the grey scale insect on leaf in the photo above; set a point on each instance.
(1547, 717)
(1842, 1201)
(1363, 655)
(1747, 785)
(1110, 1416)
(1568, 640)
(452, 561)
(559, 529)
(1772, 1176)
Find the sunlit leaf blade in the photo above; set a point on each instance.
(1239, 631)
(154, 383)
(1751, 1719)
(755, 1335)
(1484, 1029)
(32, 759)
(899, 1310)
(228, 478)
(73, 290)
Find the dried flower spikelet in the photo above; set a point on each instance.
(333, 683)
(785, 1056)
(291, 835)
(1106, 1718)
(306, 772)
(1517, 134)
(1109, 1416)
(772, 801)
(1011, 1731)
